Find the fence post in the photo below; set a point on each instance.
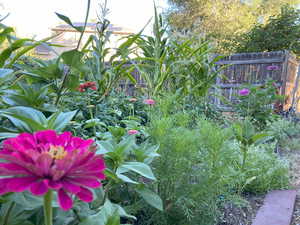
(295, 90)
(284, 75)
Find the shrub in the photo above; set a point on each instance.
(285, 132)
(280, 32)
(265, 171)
(257, 102)
(194, 169)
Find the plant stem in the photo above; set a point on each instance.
(245, 151)
(76, 214)
(62, 86)
(91, 114)
(78, 45)
(85, 22)
(48, 208)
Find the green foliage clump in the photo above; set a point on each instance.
(182, 64)
(265, 171)
(175, 155)
(281, 32)
(190, 170)
(229, 19)
(258, 103)
(202, 165)
(285, 132)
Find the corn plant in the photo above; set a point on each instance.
(195, 70)
(168, 62)
(154, 64)
(13, 48)
(107, 66)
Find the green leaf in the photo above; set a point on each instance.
(114, 220)
(6, 53)
(72, 81)
(106, 212)
(28, 201)
(5, 74)
(5, 135)
(122, 212)
(72, 58)
(25, 119)
(151, 198)
(68, 21)
(93, 123)
(101, 218)
(5, 34)
(59, 120)
(106, 146)
(138, 167)
(28, 48)
(111, 175)
(259, 138)
(126, 179)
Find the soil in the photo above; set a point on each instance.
(242, 215)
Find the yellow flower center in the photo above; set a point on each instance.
(57, 152)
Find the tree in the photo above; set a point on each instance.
(222, 20)
(279, 33)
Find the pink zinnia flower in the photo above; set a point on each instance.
(149, 101)
(47, 160)
(244, 92)
(131, 132)
(273, 67)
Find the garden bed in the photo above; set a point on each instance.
(236, 215)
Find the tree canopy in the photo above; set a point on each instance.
(280, 32)
(223, 20)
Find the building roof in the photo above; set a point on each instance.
(42, 49)
(91, 28)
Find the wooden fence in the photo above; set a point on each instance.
(257, 68)
(250, 68)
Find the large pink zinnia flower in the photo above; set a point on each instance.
(46, 160)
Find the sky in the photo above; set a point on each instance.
(34, 18)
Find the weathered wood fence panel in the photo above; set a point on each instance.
(257, 68)
(249, 68)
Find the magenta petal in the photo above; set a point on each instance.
(88, 182)
(63, 138)
(27, 140)
(46, 137)
(7, 169)
(85, 195)
(97, 163)
(44, 162)
(3, 183)
(74, 189)
(78, 143)
(64, 200)
(19, 184)
(39, 188)
(53, 184)
(99, 175)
